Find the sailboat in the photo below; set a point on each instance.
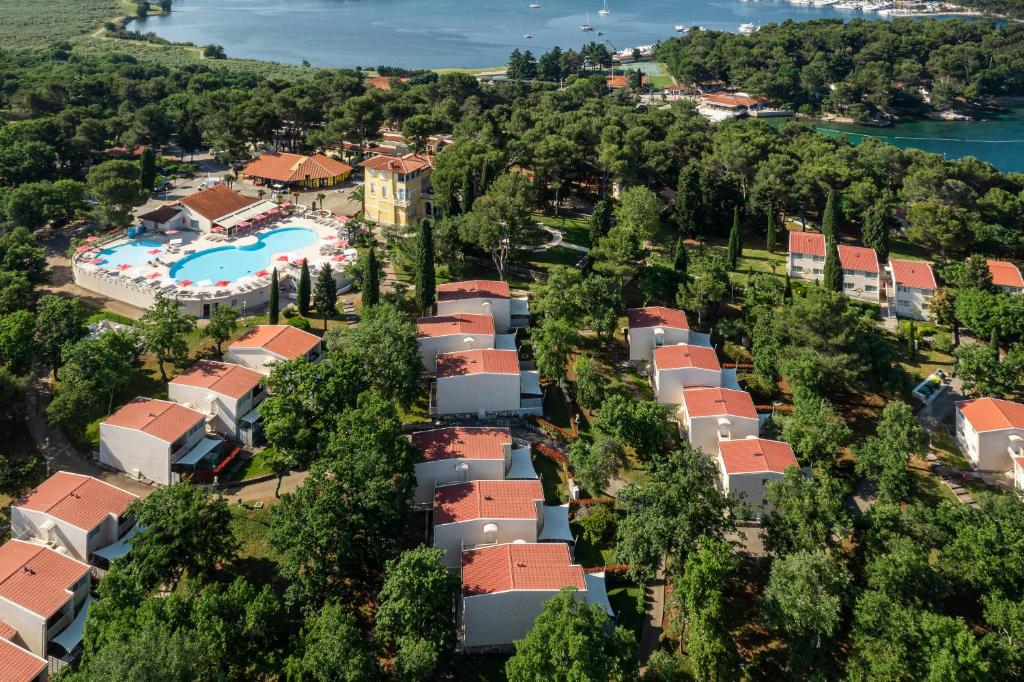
(587, 27)
(604, 11)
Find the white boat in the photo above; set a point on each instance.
(527, 35)
(534, 5)
(823, 3)
(587, 27)
(848, 5)
(747, 29)
(680, 28)
(604, 11)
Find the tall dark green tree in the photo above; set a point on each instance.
(147, 169)
(874, 230)
(681, 263)
(426, 280)
(831, 219)
(787, 294)
(325, 297)
(771, 233)
(735, 239)
(833, 277)
(371, 283)
(912, 341)
(275, 300)
(688, 206)
(305, 289)
(601, 219)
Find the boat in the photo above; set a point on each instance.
(680, 28)
(586, 28)
(848, 5)
(823, 3)
(604, 11)
(600, 33)
(747, 29)
(534, 5)
(527, 35)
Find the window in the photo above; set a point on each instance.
(849, 273)
(817, 271)
(384, 191)
(847, 285)
(870, 287)
(401, 194)
(904, 304)
(903, 289)
(797, 269)
(373, 173)
(373, 188)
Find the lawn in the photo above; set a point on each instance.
(557, 255)
(553, 477)
(33, 23)
(626, 599)
(257, 465)
(574, 230)
(255, 560)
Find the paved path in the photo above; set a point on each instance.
(265, 489)
(556, 240)
(654, 615)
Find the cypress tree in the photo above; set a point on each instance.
(468, 195)
(771, 233)
(426, 281)
(787, 295)
(304, 290)
(326, 295)
(682, 263)
(874, 230)
(912, 341)
(688, 206)
(831, 219)
(274, 305)
(993, 341)
(147, 169)
(833, 279)
(735, 243)
(371, 286)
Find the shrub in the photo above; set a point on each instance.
(597, 523)
(300, 323)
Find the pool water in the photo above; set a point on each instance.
(131, 253)
(231, 262)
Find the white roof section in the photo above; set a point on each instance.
(522, 465)
(505, 341)
(202, 449)
(116, 550)
(246, 213)
(556, 525)
(529, 382)
(519, 307)
(597, 591)
(72, 634)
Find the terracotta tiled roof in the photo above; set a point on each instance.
(477, 288)
(7, 632)
(410, 163)
(487, 500)
(912, 273)
(1019, 460)
(809, 243)
(622, 81)
(484, 361)
(748, 455)
(657, 316)
(217, 201)
(992, 414)
(36, 577)
(708, 402)
(459, 323)
(1005, 274)
(233, 381)
(727, 100)
(685, 355)
(159, 418)
(858, 258)
(280, 339)
(463, 442)
(501, 568)
(285, 167)
(19, 665)
(82, 501)
(162, 214)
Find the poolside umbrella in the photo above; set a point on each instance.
(282, 258)
(83, 249)
(261, 273)
(90, 240)
(339, 258)
(170, 232)
(244, 223)
(217, 228)
(330, 238)
(124, 266)
(185, 283)
(300, 261)
(97, 261)
(222, 283)
(153, 275)
(153, 252)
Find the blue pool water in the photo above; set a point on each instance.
(131, 253)
(231, 262)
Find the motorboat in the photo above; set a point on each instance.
(527, 36)
(587, 27)
(680, 28)
(534, 5)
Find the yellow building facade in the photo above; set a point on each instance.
(396, 190)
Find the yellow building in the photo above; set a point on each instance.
(397, 190)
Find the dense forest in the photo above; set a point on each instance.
(862, 69)
(1010, 8)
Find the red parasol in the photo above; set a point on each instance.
(261, 273)
(185, 283)
(97, 261)
(329, 238)
(217, 228)
(300, 261)
(339, 258)
(90, 240)
(153, 275)
(154, 251)
(222, 283)
(124, 266)
(170, 232)
(282, 258)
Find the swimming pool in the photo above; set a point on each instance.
(231, 262)
(130, 253)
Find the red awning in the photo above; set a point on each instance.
(217, 228)
(261, 216)
(286, 205)
(245, 223)
(170, 232)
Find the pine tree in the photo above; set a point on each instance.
(304, 289)
(426, 281)
(325, 297)
(874, 230)
(681, 264)
(735, 241)
(468, 193)
(371, 285)
(831, 219)
(274, 305)
(771, 233)
(833, 279)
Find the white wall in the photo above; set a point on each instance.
(441, 471)
(805, 266)
(669, 383)
(452, 537)
(431, 347)
(74, 539)
(131, 449)
(643, 339)
(988, 451)
(226, 410)
(31, 628)
(497, 620)
(913, 303)
(862, 285)
(751, 486)
(498, 308)
(471, 393)
(704, 432)
(253, 358)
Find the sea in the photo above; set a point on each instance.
(480, 34)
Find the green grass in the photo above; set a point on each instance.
(574, 230)
(107, 315)
(257, 465)
(255, 560)
(901, 249)
(625, 599)
(553, 478)
(419, 411)
(34, 23)
(558, 255)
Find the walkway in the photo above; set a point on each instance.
(556, 240)
(264, 490)
(654, 616)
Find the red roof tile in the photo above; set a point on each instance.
(1019, 460)
(410, 163)
(858, 258)
(36, 577)
(992, 414)
(459, 323)
(912, 273)
(477, 288)
(7, 632)
(501, 568)
(233, 381)
(19, 665)
(725, 99)
(82, 501)
(750, 455)
(685, 355)
(285, 167)
(487, 500)
(217, 201)
(809, 243)
(708, 402)
(159, 418)
(280, 339)
(463, 442)
(656, 316)
(1005, 274)
(483, 361)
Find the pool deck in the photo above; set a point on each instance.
(139, 284)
